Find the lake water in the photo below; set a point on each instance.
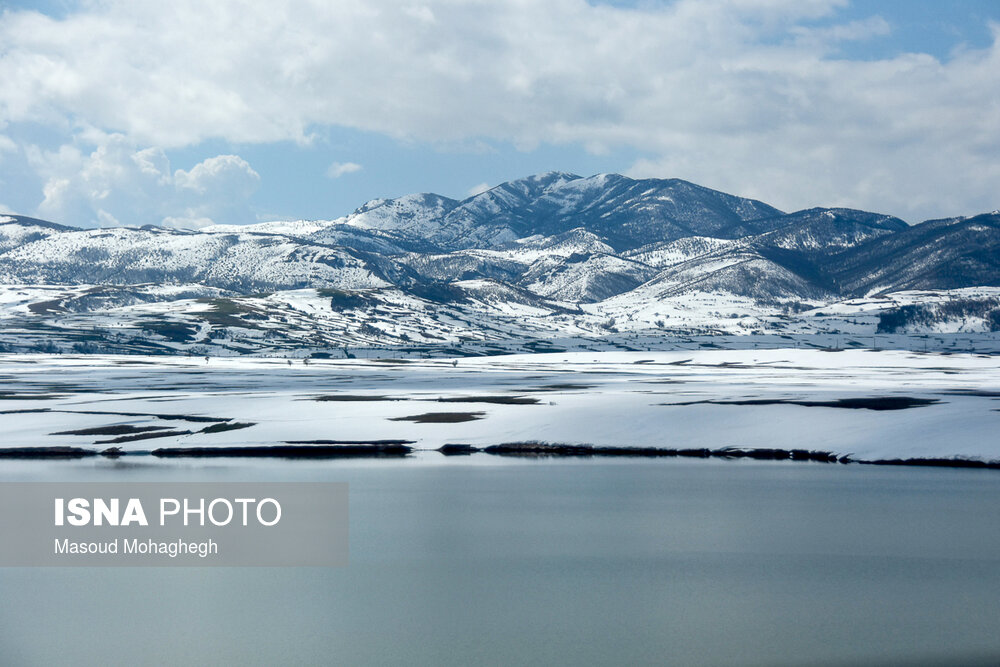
(556, 562)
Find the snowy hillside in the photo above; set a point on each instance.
(549, 257)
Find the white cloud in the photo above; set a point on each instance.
(187, 222)
(120, 184)
(421, 13)
(338, 169)
(478, 189)
(739, 94)
(7, 145)
(874, 26)
(229, 173)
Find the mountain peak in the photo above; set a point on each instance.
(529, 186)
(550, 177)
(406, 202)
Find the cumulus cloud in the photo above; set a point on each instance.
(478, 189)
(120, 184)
(742, 95)
(338, 169)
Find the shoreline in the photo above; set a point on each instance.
(522, 450)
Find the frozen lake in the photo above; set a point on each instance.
(571, 562)
(864, 404)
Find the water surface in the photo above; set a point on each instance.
(571, 562)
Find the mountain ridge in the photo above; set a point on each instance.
(391, 241)
(603, 246)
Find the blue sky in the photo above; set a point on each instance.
(171, 113)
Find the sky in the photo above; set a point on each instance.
(187, 113)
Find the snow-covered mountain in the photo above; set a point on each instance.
(238, 261)
(624, 212)
(937, 254)
(545, 256)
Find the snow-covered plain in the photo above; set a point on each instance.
(640, 399)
